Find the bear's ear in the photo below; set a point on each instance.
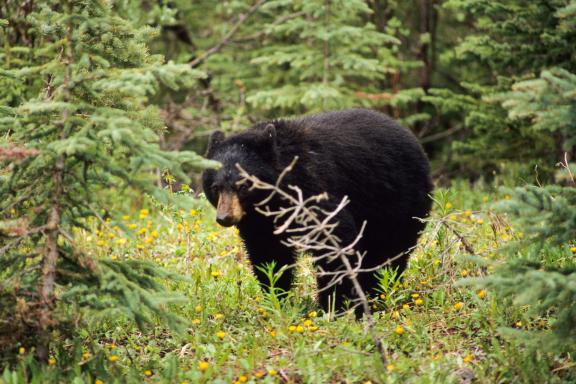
(269, 135)
(216, 138)
(266, 143)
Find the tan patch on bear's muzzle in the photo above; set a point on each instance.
(229, 211)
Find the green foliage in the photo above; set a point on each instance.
(317, 61)
(546, 214)
(549, 102)
(76, 121)
(541, 270)
(512, 41)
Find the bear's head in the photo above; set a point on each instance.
(255, 151)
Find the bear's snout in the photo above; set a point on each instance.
(229, 211)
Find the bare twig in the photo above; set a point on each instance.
(566, 165)
(215, 49)
(463, 240)
(311, 229)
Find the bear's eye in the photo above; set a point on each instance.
(243, 187)
(214, 189)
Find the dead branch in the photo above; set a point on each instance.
(215, 49)
(312, 229)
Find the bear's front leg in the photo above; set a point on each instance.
(263, 248)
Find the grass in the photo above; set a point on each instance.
(437, 328)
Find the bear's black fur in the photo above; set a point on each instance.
(360, 153)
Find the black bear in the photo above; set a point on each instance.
(358, 153)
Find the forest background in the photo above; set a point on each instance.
(105, 109)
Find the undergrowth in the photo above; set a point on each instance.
(436, 328)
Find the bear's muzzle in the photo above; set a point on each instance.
(229, 211)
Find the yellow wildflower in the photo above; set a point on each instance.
(468, 358)
(259, 374)
(203, 365)
(518, 324)
(221, 334)
(125, 217)
(481, 293)
(100, 243)
(242, 379)
(405, 307)
(395, 315)
(215, 274)
(448, 205)
(418, 301)
(292, 328)
(399, 329)
(196, 321)
(458, 306)
(86, 355)
(480, 221)
(273, 333)
(98, 381)
(218, 316)
(198, 308)
(299, 328)
(272, 372)
(147, 373)
(468, 213)
(573, 249)
(193, 212)
(21, 350)
(390, 367)
(312, 314)
(464, 273)
(307, 322)
(113, 358)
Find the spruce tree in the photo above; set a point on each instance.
(326, 55)
(540, 273)
(541, 270)
(511, 41)
(75, 123)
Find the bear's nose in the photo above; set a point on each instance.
(225, 220)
